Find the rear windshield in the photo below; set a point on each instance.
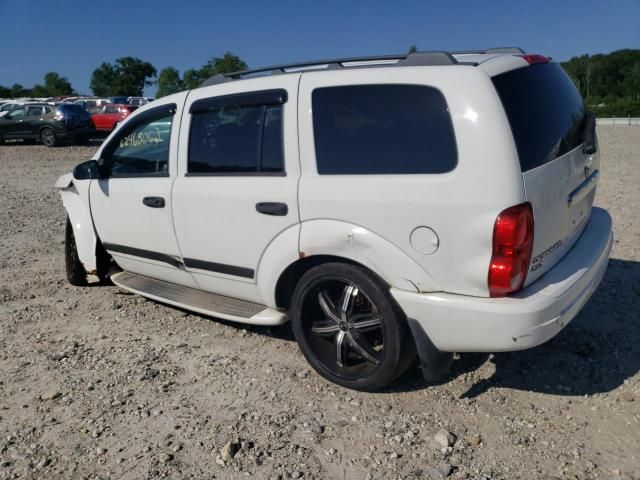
(545, 111)
(70, 107)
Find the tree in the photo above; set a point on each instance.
(611, 79)
(413, 49)
(228, 63)
(54, 85)
(168, 82)
(191, 79)
(18, 91)
(127, 76)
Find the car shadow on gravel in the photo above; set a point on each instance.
(596, 353)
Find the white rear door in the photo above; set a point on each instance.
(237, 185)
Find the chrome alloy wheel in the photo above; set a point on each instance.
(343, 328)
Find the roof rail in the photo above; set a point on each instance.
(402, 60)
(516, 50)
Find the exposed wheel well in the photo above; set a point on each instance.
(104, 261)
(292, 274)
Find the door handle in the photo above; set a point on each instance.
(153, 202)
(272, 208)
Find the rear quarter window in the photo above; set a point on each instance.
(382, 129)
(545, 111)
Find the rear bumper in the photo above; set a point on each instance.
(458, 323)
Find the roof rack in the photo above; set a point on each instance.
(402, 60)
(497, 50)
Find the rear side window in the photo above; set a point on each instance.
(382, 129)
(238, 138)
(545, 111)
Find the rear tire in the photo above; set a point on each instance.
(76, 273)
(48, 137)
(349, 327)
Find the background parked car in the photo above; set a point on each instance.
(119, 100)
(48, 123)
(106, 117)
(90, 102)
(11, 104)
(139, 101)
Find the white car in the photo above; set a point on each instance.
(139, 101)
(424, 203)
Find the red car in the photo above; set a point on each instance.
(105, 117)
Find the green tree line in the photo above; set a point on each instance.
(54, 85)
(128, 76)
(609, 83)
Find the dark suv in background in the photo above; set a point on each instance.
(48, 123)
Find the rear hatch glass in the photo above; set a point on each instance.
(74, 115)
(548, 120)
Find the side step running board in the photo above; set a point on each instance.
(199, 301)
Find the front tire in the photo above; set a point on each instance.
(48, 137)
(349, 328)
(76, 273)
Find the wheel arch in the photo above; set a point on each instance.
(314, 242)
(290, 277)
(46, 125)
(75, 198)
(365, 247)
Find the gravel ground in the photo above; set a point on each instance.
(96, 383)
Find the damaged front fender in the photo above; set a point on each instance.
(75, 198)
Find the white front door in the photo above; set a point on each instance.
(131, 205)
(237, 184)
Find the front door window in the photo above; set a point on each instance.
(141, 149)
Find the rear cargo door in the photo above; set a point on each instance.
(549, 126)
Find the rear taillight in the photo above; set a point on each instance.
(512, 245)
(535, 58)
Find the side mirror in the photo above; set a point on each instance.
(87, 170)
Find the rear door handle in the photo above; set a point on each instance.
(272, 208)
(153, 202)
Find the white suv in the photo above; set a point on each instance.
(425, 203)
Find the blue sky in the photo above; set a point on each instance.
(74, 37)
